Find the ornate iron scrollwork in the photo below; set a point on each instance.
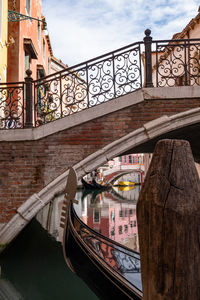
(178, 63)
(88, 84)
(11, 105)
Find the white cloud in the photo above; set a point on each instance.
(82, 29)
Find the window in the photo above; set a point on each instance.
(125, 212)
(120, 213)
(120, 159)
(28, 6)
(26, 62)
(130, 159)
(125, 228)
(39, 32)
(112, 231)
(112, 216)
(96, 216)
(120, 229)
(125, 159)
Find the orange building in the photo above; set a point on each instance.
(32, 48)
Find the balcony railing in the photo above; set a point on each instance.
(12, 106)
(164, 63)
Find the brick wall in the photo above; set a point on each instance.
(26, 167)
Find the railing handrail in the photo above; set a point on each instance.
(90, 60)
(12, 83)
(176, 40)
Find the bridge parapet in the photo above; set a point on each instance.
(132, 167)
(147, 63)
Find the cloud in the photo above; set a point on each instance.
(80, 30)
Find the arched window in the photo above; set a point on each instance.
(28, 6)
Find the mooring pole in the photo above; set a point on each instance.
(168, 215)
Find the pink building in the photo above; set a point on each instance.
(118, 221)
(123, 223)
(131, 159)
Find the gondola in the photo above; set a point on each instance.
(111, 270)
(93, 194)
(94, 185)
(86, 185)
(126, 183)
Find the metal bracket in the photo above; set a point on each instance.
(14, 16)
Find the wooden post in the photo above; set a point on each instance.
(168, 214)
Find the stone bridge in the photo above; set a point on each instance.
(90, 113)
(35, 161)
(113, 174)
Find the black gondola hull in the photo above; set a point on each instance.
(105, 283)
(94, 185)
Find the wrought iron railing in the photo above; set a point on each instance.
(12, 109)
(177, 63)
(88, 84)
(147, 63)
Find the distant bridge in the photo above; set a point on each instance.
(112, 174)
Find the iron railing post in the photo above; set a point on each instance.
(29, 99)
(148, 58)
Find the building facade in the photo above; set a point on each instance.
(32, 49)
(177, 62)
(3, 39)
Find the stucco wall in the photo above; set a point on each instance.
(3, 41)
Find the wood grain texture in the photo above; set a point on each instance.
(168, 215)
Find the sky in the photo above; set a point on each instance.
(83, 29)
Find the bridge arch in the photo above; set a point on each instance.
(111, 178)
(143, 139)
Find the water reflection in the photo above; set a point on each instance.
(126, 263)
(111, 213)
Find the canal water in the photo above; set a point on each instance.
(33, 266)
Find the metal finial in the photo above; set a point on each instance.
(29, 72)
(147, 32)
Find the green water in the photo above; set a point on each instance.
(33, 268)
